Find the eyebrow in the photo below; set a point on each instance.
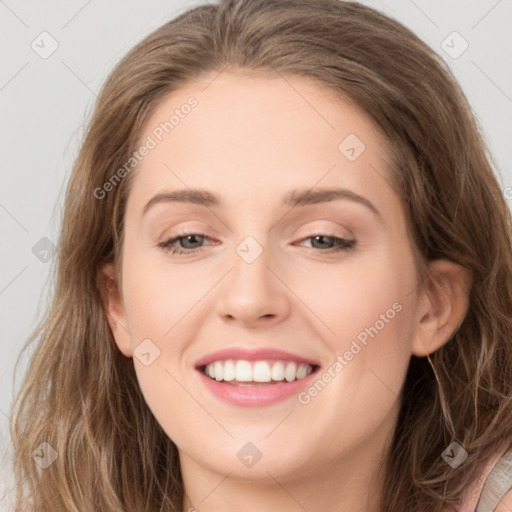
(292, 199)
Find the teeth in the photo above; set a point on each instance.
(243, 371)
(278, 371)
(229, 371)
(218, 370)
(290, 372)
(261, 372)
(258, 371)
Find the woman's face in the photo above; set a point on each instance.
(296, 292)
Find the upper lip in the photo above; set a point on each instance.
(258, 354)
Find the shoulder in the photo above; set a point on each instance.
(497, 491)
(505, 505)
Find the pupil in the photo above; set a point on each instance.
(191, 237)
(320, 238)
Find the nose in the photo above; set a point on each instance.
(254, 293)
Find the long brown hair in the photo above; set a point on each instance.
(80, 394)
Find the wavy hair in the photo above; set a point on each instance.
(81, 395)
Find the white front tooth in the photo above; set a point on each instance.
(243, 371)
(210, 371)
(229, 371)
(291, 372)
(277, 372)
(219, 370)
(301, 371)
(261, 372)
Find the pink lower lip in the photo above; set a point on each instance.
(255, 396)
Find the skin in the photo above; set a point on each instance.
(250, 140)
(505, 505)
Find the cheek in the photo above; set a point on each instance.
(371, 310)
(366, 298)
(361, 382)
(157, 297)
(162, 303)
(158, 306)
(169, 401)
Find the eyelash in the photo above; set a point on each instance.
(343, 244)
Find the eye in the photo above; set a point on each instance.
(190, 243)
(187, 243)
(329, 244)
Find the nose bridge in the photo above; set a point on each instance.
(251, 275)
(253, 291)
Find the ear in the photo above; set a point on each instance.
(114, 309)
(443, 305)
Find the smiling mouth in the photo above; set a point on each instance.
(256, 373)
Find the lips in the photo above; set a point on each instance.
(255, 377)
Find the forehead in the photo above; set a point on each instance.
(238, 131)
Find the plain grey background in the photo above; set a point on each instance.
(46, 99)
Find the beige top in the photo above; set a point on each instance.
(494, 482)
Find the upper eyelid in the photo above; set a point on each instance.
(326, 231)
(297, 215)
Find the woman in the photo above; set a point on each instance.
(260, 369)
